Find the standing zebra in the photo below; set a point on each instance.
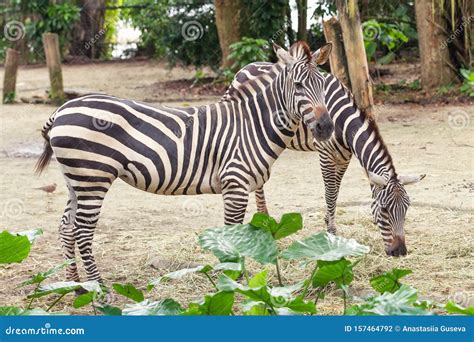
(355, 133)
(226, 148)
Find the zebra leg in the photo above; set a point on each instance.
(260, 200)
(236, 197)
(332, 172)
(66, 235)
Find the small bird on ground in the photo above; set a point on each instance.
(48, 188)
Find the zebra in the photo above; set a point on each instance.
(356, 133)
(223, 148)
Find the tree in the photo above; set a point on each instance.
(436, 68)
(228, 26)
(302, 6)
(89, 33)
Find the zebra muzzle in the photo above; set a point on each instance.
(398, 247)
(320, 124)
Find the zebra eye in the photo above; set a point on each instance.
(299, 86)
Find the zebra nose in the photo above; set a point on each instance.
(324, 127)
(397, 248)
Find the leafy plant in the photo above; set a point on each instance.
(468, 83)
(16, 247)
(386, 38)
(247, 51)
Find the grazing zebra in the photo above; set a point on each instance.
(355, 133)
(226, 148)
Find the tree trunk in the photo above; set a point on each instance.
(88, 32)
(302, 6)
(289, 26)
(354, 47)
(53, 61)
(228, 26)
(435, 60)
(337, 59)
(9, 81)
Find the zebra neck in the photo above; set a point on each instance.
(368, 146)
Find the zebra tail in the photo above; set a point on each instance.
(47, 154)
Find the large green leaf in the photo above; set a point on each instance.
(13, 248)
(324, 246)
(232, 243)
(129, 291)
(16, 311)
(110, 310)
(218, 304)
(453, 308)
(401, 302)
(339, 271)
(389, 281)
(84, 299)
(166, 307)
(259, 280)
(290, 223)
(65, 287)
(41, 276)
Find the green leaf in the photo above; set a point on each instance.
(232, 243)
(401, 302)
(453, 308)
(252, 308)
(289, 224)
(110, 310)
(84, 299)
(16, 311)
(264, 221)
(32, 235)
(339, 271)
(299, 305)
(13, 248)
(166, 307)
(218, 304)
(65, 287)
(258, 280)
(324, 246)
(41, 276)
(129, 291)
(389, 281)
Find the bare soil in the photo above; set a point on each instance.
(140, 235)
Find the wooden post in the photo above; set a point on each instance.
(53, 60)
(9, 80)
(337, 59)
(361, 83)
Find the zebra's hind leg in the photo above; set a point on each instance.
(66, 235)
(260, 200)
(236, 197)
(90, 198)
(332, 172)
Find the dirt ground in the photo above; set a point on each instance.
(140, 235)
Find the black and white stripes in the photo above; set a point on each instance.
(355, 133)
(225, 148)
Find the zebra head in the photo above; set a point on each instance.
(304, 87)
(389, 208)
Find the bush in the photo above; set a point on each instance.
(247, 51)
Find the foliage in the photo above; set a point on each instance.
(16, 247)
(247, 51)
(178, 32)
(384, 37)
(257, 295)
(468, 83)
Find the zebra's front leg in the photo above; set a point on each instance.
(236, 196)
(260, 200)
(332, 172)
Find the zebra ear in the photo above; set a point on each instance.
(283, 55)
(321, 55)
(405, 180)
(375, 179)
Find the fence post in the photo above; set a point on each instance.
(337, 58)
(9, 80)
(53, 60)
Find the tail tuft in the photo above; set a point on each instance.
(44, 159)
